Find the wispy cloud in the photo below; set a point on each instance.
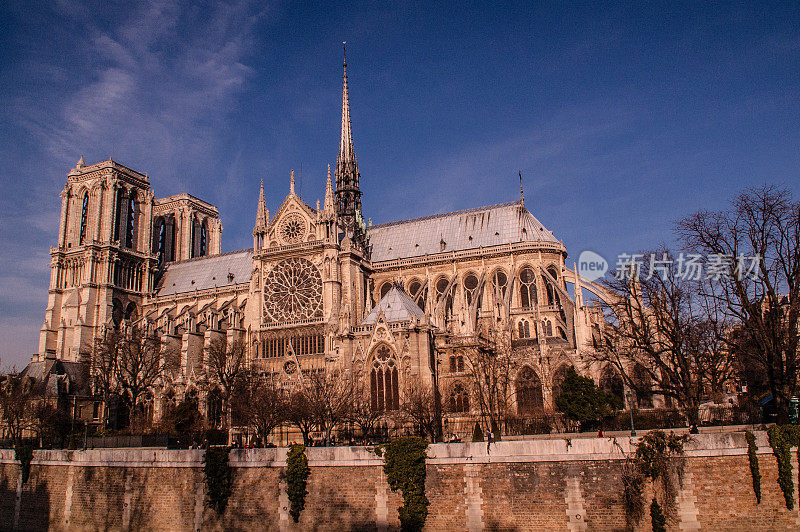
(155, 88)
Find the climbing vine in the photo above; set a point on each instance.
(24, 453)
(404, 465)
(218, 478)
(297, 472)
(754, 470)
(632, 492)
(659, 458)
(781, 439)
(657, 518)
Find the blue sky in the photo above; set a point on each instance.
(621, 117)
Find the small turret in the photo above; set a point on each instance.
(262, 220)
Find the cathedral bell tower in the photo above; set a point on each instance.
(102, 264)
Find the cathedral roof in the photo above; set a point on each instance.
(396, 305)
(207, 272)
(455, 231)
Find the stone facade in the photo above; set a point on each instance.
(519, 485)
(397, 303)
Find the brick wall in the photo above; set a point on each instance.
(538, 484)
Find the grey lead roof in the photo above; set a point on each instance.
(455, 231)
(207, 272)
(396, 305)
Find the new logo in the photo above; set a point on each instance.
(591, 265)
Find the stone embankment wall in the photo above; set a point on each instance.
(556, 484)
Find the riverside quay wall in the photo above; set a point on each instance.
(556, 484)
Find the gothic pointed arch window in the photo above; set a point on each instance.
(119, 208)
(524, 328)
(471, 290)
(558, 379)
(204, 238)
(547, 328)
(500, 283)
(552, 293)
(643, 384)
(415, 290)
(529, 391)
(160, 239)
(194, 249)
(84, 217)
(117, 312)
(130, 224)
(385, 287)
(384, 389)
(458, 401)
(442, 285)
(611, 382)
(527, 288)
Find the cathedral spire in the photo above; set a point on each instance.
(291, 184)
(347, 152)
(348, 193)
(262, 216)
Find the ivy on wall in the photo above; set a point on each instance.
(217, 471)
(297, 473)
(755, 473)
(781, 439)
(24, 453)
(659, 458)
(657, 518)
(404, 465)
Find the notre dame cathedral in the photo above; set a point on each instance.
(397, 303)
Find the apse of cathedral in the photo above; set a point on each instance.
(396, 303)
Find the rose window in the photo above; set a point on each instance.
(293, 291)
(292, 229)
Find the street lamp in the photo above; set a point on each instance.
(629, 396)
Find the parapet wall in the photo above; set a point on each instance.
(553, 484)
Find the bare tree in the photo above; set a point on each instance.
(260, 405)
(362, 413)
(761, 297)
(418, 407)
(18, 399)
(330, 394)
(300, 413)
(491, 370)
(225, 369)
(128, 363)
(661, 337)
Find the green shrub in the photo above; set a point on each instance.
(218, 478)
(582, 401)
(404, 465)
(297, 472)
(24, 453)
(753, 458)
